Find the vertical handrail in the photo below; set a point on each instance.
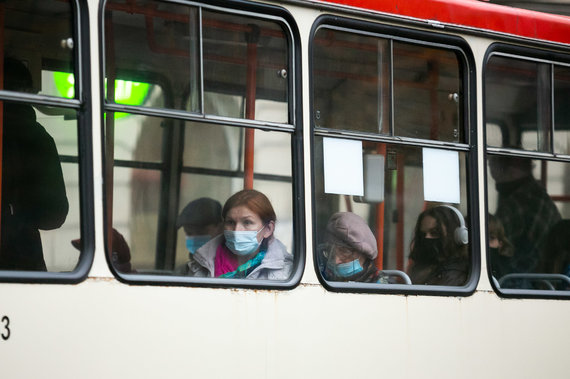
(381, 149)
(252, 37)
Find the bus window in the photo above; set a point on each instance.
(527, 194)
(427, 91)
(171, 175)
(41, 210)
(518, 98)
(356, 67)
(384, 213)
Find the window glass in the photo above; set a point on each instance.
(351, 76)
(153, 42)
(164, 220)
(40, 198)
(239, 57)
(428, 95)
(242, 56)
(528, 222)
(45, 45)
(404, 227)
(561, 110)
(517, 98)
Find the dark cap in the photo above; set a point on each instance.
(202, 211)
(350, 230)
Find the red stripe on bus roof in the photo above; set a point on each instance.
(476, 14)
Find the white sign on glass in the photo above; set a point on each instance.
(441, 175)
(343, 166)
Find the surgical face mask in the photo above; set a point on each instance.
(242, 242)
(193, 243)
(348, 269)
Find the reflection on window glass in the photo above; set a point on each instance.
(351, 81)
(517, 98)
(427, 93)
(393, 232)
(561, 110)
(528, 238)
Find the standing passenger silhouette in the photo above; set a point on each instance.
(33, 191)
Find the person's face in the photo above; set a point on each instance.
(494, 241)
(241, 218)
(429, 228)
(340, 254)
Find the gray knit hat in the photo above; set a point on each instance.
(350, 230)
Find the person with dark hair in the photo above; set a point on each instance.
(33, 190)
(201, 220)
(525, 210)
(439, 254)
(500, 248)
(247, 247)
(350, 250)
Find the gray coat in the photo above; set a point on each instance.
(276, 265)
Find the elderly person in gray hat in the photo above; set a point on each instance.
(350, 250)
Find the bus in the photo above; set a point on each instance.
(283, 189)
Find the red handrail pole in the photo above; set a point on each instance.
(381, 149)
(250, 114)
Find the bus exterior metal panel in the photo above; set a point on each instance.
(104, 328)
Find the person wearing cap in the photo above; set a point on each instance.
(350, 250)
(201, 220)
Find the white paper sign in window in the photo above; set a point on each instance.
(343, 167)
(441, 175)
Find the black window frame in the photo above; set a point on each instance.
(81, 104)
(527, 54)
(294, 129)
(420, 38)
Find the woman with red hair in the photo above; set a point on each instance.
(247, 248)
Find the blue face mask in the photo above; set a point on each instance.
(193, 243)
(347, 269)
(242, 242)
